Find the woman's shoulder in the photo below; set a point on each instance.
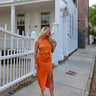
(53, 40)
(37, 40)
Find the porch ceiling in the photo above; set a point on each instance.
(36, 6)
(49, 5)
(5, 9)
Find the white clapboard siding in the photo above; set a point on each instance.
(72, 30)
(65, 35)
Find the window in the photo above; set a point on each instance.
(75, 2)
(21, 23)
(45, 19)
(71, 26)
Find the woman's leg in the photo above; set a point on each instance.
(51, 86)
(42, 93)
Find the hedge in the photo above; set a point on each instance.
(6, 53)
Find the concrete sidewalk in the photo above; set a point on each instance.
(70, 78)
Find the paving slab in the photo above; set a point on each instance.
(81, 58)
(34, 90)
(78, 80)
(66, 91)
(78, 65)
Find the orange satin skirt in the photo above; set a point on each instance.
(44, 63)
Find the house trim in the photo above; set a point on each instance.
(21, 3)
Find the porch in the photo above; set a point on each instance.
(28, 17)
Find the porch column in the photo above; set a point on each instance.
(12, 23)
(56, 52)
(61, 31)
(12, 19)
(56, 32)
(60, 37)
(57, 10)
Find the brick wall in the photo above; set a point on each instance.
(83, 7)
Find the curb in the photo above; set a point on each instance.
(87, 89)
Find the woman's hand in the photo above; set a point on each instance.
(35, 53)
(54, 43)
(36, 66)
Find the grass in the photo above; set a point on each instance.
(91, 83)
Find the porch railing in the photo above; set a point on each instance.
(16, 58)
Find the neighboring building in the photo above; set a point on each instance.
(32, 15)
(83, 7)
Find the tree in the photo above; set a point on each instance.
(92, 15)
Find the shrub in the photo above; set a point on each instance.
(6, 53)
(92, 33)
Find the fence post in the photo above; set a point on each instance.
(91, 37)
(23, 33)
(23, 42)
(27, 40)
(5, 26)
(18, 31)
(4, 60)
(34, 36)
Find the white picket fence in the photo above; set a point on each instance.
(91, 39)
(16, 58)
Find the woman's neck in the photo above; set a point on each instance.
(45, 37)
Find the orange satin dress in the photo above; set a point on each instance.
(44, 63)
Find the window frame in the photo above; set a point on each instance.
(46, 24)
(21, 23)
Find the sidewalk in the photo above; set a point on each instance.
(70, 78)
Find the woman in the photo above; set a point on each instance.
(42, 61)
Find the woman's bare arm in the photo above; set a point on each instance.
(35, 53)
(54, 43)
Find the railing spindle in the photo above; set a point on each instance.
(19, 67)
(28, 64)
(11, 68)
(24, 65)
(22, 57)
(4, 60)
(7, 68)
(17, 61)
(14, 67)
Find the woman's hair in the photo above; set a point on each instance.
(42, 34)
(43, 31)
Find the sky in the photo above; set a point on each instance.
(92, 2)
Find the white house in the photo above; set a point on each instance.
(32, 15)
(26, 18)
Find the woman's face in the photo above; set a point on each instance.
(47, 32)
